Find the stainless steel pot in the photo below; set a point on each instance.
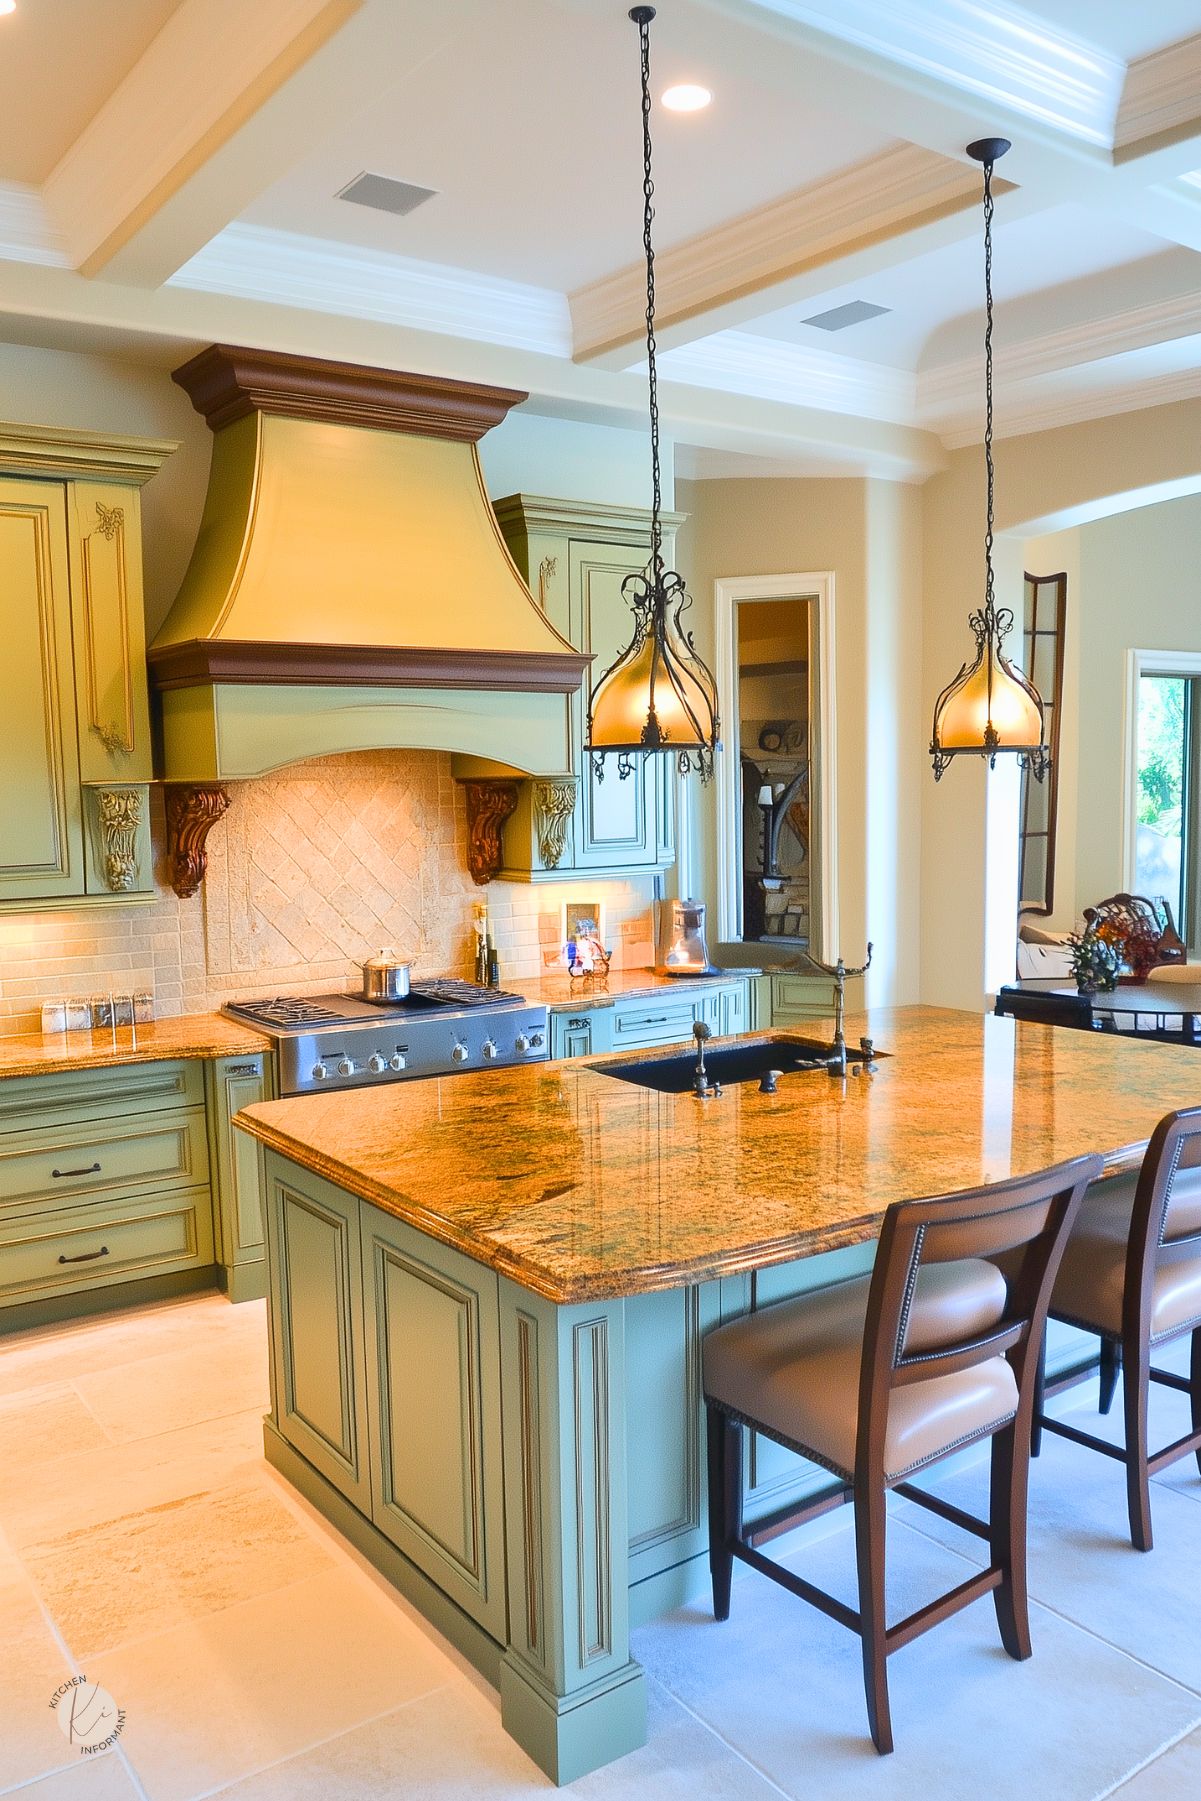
(385, 977)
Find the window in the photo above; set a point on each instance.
(1165, 763)
(1042, 660)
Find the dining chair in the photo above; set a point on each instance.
(1131, 1274)
(880, 1377)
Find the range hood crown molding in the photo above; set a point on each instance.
(225, 383)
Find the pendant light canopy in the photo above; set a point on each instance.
(990, 706)
(659, 695)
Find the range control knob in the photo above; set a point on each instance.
(537, 1040)
(460, 1053)
(319, 1072)
(491, 1051)
(346, 1066)
(398, 1061)
(377, 1064)
(521, 1042)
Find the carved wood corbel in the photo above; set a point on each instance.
(554, 804)
(118, 816)
(489, 804)
(193, 809)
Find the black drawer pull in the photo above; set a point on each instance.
(86, 1256)
(93, 1169)
(577, 1025)
(648, 1022)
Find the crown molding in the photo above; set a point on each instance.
(26, 232)
(883, 197)
(1162, 95)
(986, 47)
(743, 362)
(91, 455)
(1077, 409)
(283, 268)
(951, 386)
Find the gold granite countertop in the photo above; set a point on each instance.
(194, 1035)
(578, 1186)
(562, 995)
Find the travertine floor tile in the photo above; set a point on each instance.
(212, 1701)
(783, 1685)
(179, 1388)
(452, 1746)
(32, 1665)
(47, 1426)
(61, 1353)
(149, 1571)
(90, 1779)
(1173, 1776)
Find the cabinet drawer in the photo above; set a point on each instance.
(109, 1241)
(654, 1022)
(60, 1098)
(130, 1155)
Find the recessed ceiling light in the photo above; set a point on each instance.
(8, 6)
(686, 97)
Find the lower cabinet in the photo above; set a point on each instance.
(232, 1083)
(580, 1034)
(385, 1375)
(643, 1022)
(433, 1396)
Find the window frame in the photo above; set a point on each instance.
(1187, 664)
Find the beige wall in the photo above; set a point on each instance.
(867, 534)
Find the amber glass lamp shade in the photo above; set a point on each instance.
(988, 708)
(654, 698)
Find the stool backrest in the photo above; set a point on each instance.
(1175, 1145)
(1027, 1215)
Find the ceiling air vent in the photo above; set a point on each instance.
(839, 317)
(385, 194)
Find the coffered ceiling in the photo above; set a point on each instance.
(169, 173)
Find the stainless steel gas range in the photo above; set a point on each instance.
(444, 1026)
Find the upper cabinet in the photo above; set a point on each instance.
(73, 807)
(575, 557)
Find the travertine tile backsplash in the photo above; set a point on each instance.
(313, 868)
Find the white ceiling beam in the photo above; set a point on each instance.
(836, 230)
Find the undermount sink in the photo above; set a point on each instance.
(724, 1065)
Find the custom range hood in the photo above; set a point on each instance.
(349, 588)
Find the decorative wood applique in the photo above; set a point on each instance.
(554, 803)
(119, 814)
(547, 569)
(489, 804)
(193, 809)
(106, 614)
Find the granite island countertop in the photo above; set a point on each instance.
(580, 1187)
(158, 1041)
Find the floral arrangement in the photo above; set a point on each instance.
(1096, 959)
(1133, 935)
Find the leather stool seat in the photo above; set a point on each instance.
(794, 1368)
(1092, 1276)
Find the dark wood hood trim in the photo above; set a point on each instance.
(203, 660)
(226, 382)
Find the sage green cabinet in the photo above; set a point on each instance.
(584, 1034)
(643, 1022)
(73, 687)
(318, 1357)
(433, 1394)
(233, 1083)
(800, 1000)
(575, 556)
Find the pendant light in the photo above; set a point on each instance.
(659, 694)
(990, 706)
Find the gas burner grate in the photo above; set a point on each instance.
(452, 992)
(287, 1010)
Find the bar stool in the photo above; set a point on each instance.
(877, 1378)
(1131, 1273)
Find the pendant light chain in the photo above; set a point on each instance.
(989, 581)
(648, 219)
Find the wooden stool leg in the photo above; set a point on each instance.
(1136, 1381)
(1009, 1485)
(871, 1522)
(725, 1503)
(1195, 1379)
(1040, 1398)
(1111, 1369)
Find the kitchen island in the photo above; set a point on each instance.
(488, 1295)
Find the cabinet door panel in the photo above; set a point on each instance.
(234, 1083)
(665, 1430)
(41, 834)
(434, 1391)
(110, 633)
(318, 1392)
(617, 822)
